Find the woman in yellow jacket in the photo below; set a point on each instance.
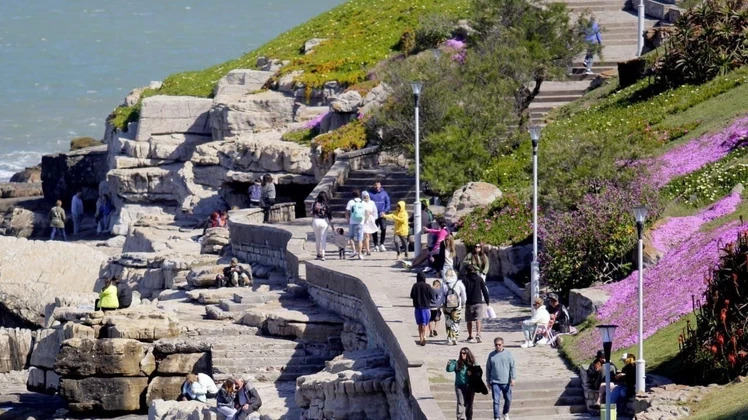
(108, 300)
(400, 216)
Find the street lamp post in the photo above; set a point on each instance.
(416, 86)
(535, 266)
(607, 332)
(640, 26)
(640, 214)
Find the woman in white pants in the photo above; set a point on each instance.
(321, 218)
(540, 317)
(370, 225)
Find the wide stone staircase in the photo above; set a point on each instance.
(548, 399)
(397, 182)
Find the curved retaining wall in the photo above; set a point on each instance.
(348, 296)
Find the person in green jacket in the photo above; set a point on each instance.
(108, 300)
(57, 219)
(477, 259)
(465, 393)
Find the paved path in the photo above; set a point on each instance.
(382, 273)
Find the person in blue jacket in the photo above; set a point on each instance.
(593, 38)
(382, 201)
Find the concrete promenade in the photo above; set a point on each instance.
(537, 368)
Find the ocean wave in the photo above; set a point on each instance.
(16, 161)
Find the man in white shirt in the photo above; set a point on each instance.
(355, 212)
(76, 210)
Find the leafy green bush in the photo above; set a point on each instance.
(351, 136)
(83, 142)
(706, 41)
(303, 136)
(506, 221)
(593, 242)
(432, 31)
(712, 181)
(716, 349)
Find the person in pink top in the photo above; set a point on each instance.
(440, 234)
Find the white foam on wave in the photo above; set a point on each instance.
(16, 161)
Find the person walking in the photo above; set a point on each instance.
(57, 221)
(500, 376)
(255, 193)
(594, 40)
(103, 214)
(476, 258)
(400, 216)
(468, 381)
(436, 308)
(355, 212)
(321, 219)
(76, 210)
(382, 200)
(370, 225)
(267, 198)
(422, 295)
(477, 303)
(454, 301)
(445, 258)
(540, 317)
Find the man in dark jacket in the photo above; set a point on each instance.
(422, 294)
(248, 400)
(562, 314)
(477, 302)
(382, 201)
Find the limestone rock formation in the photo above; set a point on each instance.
(173, 114)
(103, 394)
(15, 348)
(240, 82)
(214, 240)
(347, 102)
(184, 363)
(23, 223)
(33, 273)
(91, 357)
(299, 319)
(470, 196)
(375, 98)
(250, 113)
(143, 323)
(20, 189)
(310, 44)
(32, 174)
(358, 385)
(63, 174)
(585, 302)
(164, 388)
(192, 410)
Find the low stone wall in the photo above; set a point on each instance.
(281, 212)
(350, 297)
(504, 261)
(338, 173)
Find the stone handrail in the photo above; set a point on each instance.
(280, 212)
(338, 173)
(347, 295)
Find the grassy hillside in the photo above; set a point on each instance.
(359, 33)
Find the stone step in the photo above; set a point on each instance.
(270, 376)
(610, 8)
(532, 412)
(367, 182)
(271, 352)
(522, 394)
(559, 384)
(345, 190)
(272, 373)
(270, 361)
(258, 342)
(545, 106)
(555, 98)
(484, 402)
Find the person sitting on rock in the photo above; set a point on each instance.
(225, 399)
(247, 399)
(108, 300)
(234, 275)
(192, 389)
(223, 218)
(561, 325)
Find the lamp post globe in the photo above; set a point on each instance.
(640, 216)
(417, 86)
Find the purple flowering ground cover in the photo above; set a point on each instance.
(691, 156)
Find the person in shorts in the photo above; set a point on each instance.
(422, 295)
(477, 302)
(436, 308)
(355, 213)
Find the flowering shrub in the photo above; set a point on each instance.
(506, 221)
(668, 286)
(592, 243)
(457, 48)
(716, 347)
(314, 122)
(689, 157)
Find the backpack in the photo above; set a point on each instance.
(358, 211)
(452, 300)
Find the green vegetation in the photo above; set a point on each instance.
(504, 222)
(660, 350)
(303, 136)
(83, 142)
(359, 34)
(725, 404)
(351, 136)
(711, 182)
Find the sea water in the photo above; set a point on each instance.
(66, 64)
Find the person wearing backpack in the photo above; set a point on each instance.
(454, 301)
(355, 212)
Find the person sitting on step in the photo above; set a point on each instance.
(234, 275)
(248, 400)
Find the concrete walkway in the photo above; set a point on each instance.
(538, 369)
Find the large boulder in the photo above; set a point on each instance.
(585, 302)
(15, 348)
(184, 363)
(240, 82)
(173, 114)
(105, 357)
(266, 110)
(469, 197)
(157, 150)
(188, 410)
(18, 189)
(46, 346)
(33, 273)
(214, 240)
(143, 323)
(103, 394)
(375, 98)
(32, 174)
(63, 174)
(24, 223)
(347, 102)
(164, 388)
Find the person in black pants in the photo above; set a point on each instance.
(382, 201)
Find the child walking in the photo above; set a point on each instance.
(341, 241)
(400, 216)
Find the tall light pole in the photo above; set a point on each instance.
(606, 333)
(417, 205)
(640, 38)
(535, 266)
(640, 214)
